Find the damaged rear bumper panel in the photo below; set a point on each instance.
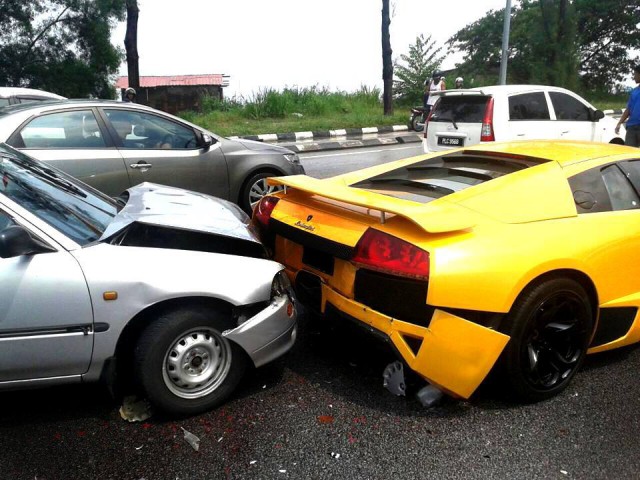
(452, 353)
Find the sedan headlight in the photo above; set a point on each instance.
(292, 158)
(281, 285)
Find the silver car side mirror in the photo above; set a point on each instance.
(206, 140)
(16, 241)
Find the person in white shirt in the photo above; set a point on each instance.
(436, 84)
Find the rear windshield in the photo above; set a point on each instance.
(437, 177)
(460, 108)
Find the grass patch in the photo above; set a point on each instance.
(295, 110)
(314, 109)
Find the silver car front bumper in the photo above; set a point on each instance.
(270, 333)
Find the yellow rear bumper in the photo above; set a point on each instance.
(454, 354)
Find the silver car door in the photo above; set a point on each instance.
(46, 319)
(161, 150)
(77, 143)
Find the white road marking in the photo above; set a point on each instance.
(356, 153)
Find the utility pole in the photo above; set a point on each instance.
(505, 44)
(131, 43)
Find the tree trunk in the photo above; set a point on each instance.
(131, 43)
(387, 65)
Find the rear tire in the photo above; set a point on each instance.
(416, 124)
(184, 364)
(550, 326)
(254, 189)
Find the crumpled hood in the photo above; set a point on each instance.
(174, 207)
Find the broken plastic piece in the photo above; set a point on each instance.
(394, 378)
(429, 396)
(135, 409)
(191, 439)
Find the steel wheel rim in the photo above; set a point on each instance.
(259, 189)
(196, 363)
(555, 341)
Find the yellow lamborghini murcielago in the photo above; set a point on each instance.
(522, 255)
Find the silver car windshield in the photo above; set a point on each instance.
(79, 213)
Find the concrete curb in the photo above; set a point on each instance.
(351, 143)
(617, 111)
(345, 138)
(345, 132)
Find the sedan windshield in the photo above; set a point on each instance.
(77, 211)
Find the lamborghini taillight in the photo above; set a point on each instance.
(385, 253)
(262, 211)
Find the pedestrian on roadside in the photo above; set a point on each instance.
(459, 82)
(632, 113)
(435, 85)
(129, 95)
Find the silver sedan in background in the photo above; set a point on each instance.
(168, 292)
(113, 146)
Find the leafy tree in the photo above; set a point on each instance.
(607, 32)
(60, 45)
(387, 63)
(414, 68)
(579, 44)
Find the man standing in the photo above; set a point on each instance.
(632, 113)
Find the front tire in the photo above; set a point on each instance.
(550, 326)
(184, 364)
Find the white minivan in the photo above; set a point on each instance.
(514, 112)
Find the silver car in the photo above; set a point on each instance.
(113, 146)
(169, 292)
(16, 95)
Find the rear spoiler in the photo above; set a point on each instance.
(440, 218)
(459, 92)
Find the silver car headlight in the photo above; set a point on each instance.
(292, 158)
(280, 285)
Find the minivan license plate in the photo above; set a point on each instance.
(451, 141)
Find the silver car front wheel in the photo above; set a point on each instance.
(184, 364)
(197, 363)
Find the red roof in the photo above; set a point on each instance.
(159, 81)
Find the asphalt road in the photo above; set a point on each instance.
(322, 412)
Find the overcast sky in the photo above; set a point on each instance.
(278, 43)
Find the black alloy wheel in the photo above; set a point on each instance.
(550, 326)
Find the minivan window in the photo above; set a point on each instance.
(460, 108)
(569, 108)
(528, 106)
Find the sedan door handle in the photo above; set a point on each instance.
(141, 165)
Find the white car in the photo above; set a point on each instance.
(14, 95)
(514, 112)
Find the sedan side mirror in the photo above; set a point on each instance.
(206, 140)
(597, 115)
(16, 240)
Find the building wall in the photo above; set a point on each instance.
(176, 98)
